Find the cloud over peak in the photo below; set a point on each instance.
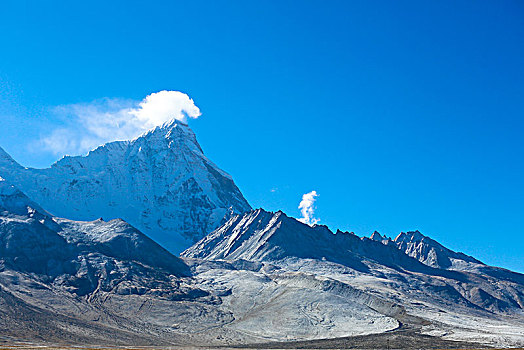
(163, 106)
(88, 125)
(307, 208)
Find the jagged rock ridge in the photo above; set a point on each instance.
(429, 251)
(264, 236)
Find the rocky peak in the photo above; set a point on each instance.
(376, 236)
(410, 236)
(265, 236)
(429, 251)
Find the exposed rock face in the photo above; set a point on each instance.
(264, 236)
(429, 251)
(376, 236)
(434, 254)
(160, 182)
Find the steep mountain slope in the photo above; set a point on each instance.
(32, 241)
(459, 305)
(432, 253)
(160, 182)
(265, 236)
(429, 251)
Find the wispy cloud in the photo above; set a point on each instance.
(307, 208)
(88, 125)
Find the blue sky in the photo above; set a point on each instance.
(402, 115)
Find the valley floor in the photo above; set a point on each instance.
(404, 338)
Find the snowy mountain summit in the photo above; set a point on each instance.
(161, 183)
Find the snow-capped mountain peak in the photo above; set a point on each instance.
(161, 182)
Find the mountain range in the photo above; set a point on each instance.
(88, 256)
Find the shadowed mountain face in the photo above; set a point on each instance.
(160, 182)
(265, 236)
(76, 254)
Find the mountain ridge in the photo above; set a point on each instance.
(276, 235)
(429, 251)
(266, 236)
(433, 297)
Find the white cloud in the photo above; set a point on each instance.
(307, 208)
(163, 106)
(88, 125)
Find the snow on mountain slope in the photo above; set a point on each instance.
(461, 305)
(160, 182)
(14, 201)
(281, 280)
(271, 304)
